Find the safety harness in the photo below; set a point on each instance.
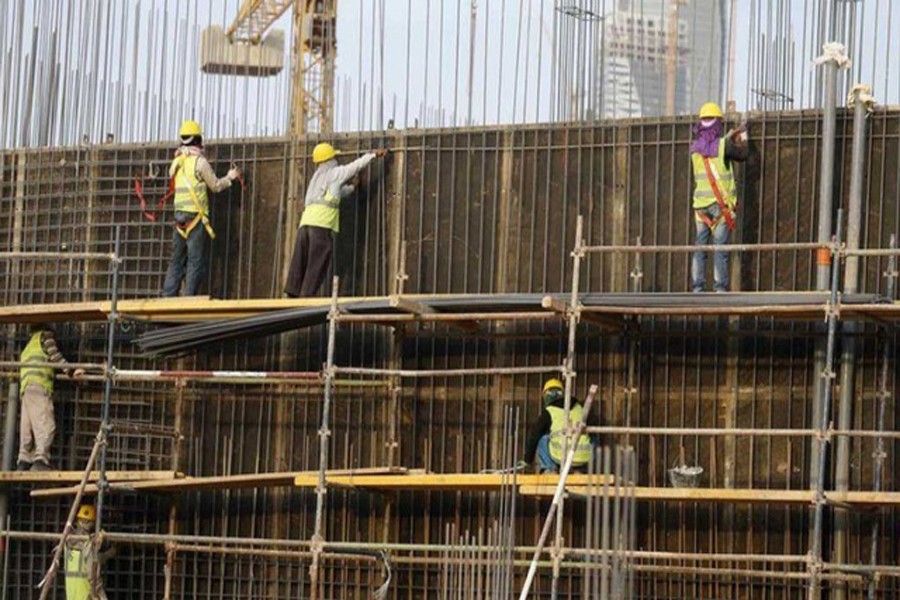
(202, 217)
(726, 211)
(183, 230)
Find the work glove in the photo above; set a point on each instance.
(522, 465)
(381, 152)
(233, 174)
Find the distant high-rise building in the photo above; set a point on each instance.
(634, 71)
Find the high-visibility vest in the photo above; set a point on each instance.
(42, 376)
(703, 191)
(558, 434)
(78, 586)
(190, 192)
(323, 212)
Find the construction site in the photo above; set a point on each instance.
(524, 216)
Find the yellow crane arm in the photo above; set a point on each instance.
(255, 17)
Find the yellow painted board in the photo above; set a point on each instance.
(444, 481)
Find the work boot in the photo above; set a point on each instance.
(23, 465)
(40, 465)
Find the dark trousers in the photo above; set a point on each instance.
(309, 265)
(187, 254)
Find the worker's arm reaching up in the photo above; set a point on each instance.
(206, 173)
(48, 343)
(736, 147)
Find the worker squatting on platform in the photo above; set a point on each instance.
(37, 423)
(715, 202)
(322, 218)
(193, 179)
(546, 439)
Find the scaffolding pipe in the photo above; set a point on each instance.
(324, 435)
(57, 255)
(848, 343)
(112, 319)
(884, 396)
(9, 449)
(687, 249)
(725, 431)
(821, 442)
(823, 262)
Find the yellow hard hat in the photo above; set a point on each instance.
(711, 109)
(552, 384)
(190, 128)
(87, 512)
(323, 152)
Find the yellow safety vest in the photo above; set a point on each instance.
(191, 195)
(703, 191)
(42, 376)
(558, 434)
(78, 586)
(323, 212)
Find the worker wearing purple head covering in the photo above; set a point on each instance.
(715, 202)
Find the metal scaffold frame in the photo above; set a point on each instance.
(318, 550)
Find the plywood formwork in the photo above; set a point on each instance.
(502, 203)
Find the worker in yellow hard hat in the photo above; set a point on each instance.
(713, 153)
(193, 179)
(84, 559)
(321, 218)
(546, 438)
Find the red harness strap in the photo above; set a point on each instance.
(139, 190)
(726, 212)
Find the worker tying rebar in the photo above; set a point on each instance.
(37, 423)
(193, 179)
(321, 218)
(715, 204)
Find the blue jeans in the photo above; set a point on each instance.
(187, 253)
(719, 237)
(545, 461)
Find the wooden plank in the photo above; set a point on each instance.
(729, 495)
(228, 482)
(443, 481)
(75, 476)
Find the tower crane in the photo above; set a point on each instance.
(242, 49)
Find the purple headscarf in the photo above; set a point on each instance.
(706, 139)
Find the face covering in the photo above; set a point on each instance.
(706, 137)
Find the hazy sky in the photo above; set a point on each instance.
(131, 66)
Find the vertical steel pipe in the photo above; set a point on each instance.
(848, 352)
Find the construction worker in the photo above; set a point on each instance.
(194, 179)
(37, 424)
(548, 434)
(712, 154)
(321, 218)
(83, 559)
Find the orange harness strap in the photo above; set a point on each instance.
(726, 212)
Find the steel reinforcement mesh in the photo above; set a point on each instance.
(479, 210)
